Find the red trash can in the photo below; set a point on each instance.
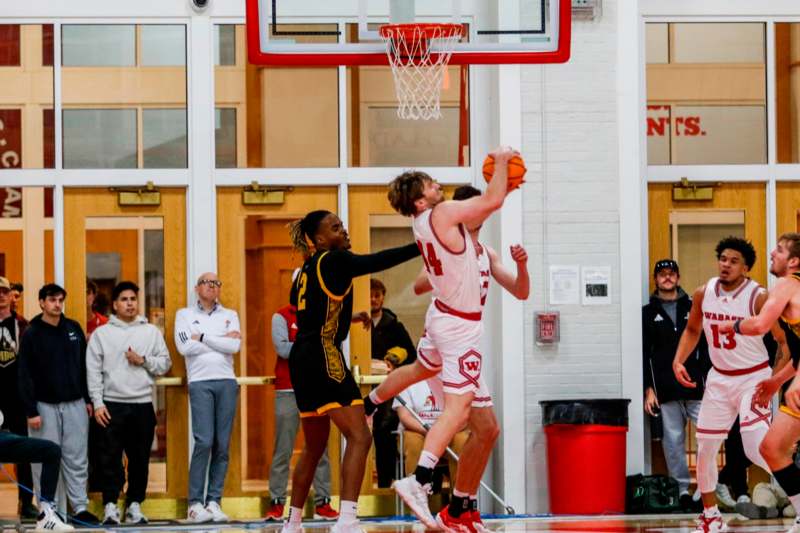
(586, 455)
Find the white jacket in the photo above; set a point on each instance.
(110, 376)
(211, 358)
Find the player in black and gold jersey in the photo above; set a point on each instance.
(323, 385)
(782, 305)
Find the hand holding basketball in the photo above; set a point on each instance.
(516, 166)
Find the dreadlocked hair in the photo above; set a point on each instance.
(302, 231)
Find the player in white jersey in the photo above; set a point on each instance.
(450, 344)
(739, 363)
(483, 425)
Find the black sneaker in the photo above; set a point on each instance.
(686, 502)
(755, 512)
(85, 518)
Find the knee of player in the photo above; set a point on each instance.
(769, 450)
(360, 436)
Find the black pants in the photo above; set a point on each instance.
(17, 423)
(734, 473)
(131, 430)
(26, 450)
(384, 422)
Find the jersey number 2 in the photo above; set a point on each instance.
(301, 291)
(730, 338)
(432, 263)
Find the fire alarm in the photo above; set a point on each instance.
(547, 327)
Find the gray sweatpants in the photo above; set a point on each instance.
(674, 416)
(287, 421)
(213, 404)
(66, 424)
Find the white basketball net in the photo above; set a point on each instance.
(418, 72)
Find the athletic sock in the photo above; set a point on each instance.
(295, 515)
(458, 506)
(789, 480)
(347, 512)
(473, 502)
(711, 512)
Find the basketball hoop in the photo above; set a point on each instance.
(418, 70)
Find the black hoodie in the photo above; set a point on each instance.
(52, 364)
(660, 337)
(388, 333)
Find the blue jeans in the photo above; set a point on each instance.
(213, 404)
(674, 416)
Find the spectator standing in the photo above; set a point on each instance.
(16, 295)
(122, 359)
(663, 321)
(52, 382)
(287, 422)
(12, 326)
(207, 335)
(93, 319)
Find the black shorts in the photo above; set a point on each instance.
(321, 381)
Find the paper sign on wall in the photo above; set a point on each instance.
(564, 285)
(595, 285)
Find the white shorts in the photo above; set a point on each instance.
(482, 396)
(727, 397)
(451, 345)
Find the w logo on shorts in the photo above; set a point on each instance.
(469, 366)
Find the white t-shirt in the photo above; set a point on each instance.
(420, 399)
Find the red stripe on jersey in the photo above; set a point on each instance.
(743, 371)
(444, 308)
(460, 228)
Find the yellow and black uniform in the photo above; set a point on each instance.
(792, 330)
(324, 301)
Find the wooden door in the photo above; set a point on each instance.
(96, 224)
(255, 262)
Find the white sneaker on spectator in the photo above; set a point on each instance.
(416, 497)
(724, 497)
(198, 514)
(349, 527)
(134, 515)
(216, 512)
(111, 514)
(292, 527)
(48, 520)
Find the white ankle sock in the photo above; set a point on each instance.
(427, 460)
(295, 515)
(347, 511)
(711, 512)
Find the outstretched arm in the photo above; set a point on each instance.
(519, 285)
(768, 310)
(338, 268)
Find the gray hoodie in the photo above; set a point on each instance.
(110, 376)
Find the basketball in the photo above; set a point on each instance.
(516, 171)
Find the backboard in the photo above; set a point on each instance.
(283, 32)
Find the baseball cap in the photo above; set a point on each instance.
(665, 263)
(4, 283)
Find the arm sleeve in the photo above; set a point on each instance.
(94, 371)
(84, 385)
(158, 362)
(338, 268)
(647, 377)
(280, 336)
(27, 390)
(183, 337)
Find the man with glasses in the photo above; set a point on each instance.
(208, 335)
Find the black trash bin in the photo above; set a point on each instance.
(586, 455)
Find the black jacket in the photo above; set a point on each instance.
(52, 364)
(388, 333)
(660, 337)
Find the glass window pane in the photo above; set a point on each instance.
(9, 45)
(787, 92)
(85, 45)
(718, 42)
(100, 138)
(225, 137)
(26, 89)
(694, 243)
(163, 45)
(719, 134)
(164, 138)
(292, 115)
(224, 45)
(657, 43)
(658, 135)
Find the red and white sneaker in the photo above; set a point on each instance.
(477, 523)
(714, 524)
(450, 524)
(275, 513)
(325, 512)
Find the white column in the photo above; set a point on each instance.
(201, 224)
(632, 216)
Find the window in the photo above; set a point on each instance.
(9, 45)
(100, 138)
(85, 45)
(225, 137)
(164, 138)
(224, 45)
(163, 45)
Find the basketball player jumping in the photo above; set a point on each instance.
(482, 424)
(782, 305)
(739, 364)
(453, 328)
